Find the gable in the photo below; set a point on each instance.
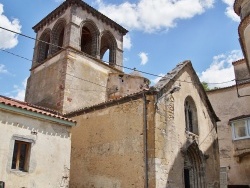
(184, 79)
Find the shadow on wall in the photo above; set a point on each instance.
(193, 168)
(46, 129)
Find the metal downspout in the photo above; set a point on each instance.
(145, 138)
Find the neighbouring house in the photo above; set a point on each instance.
(232, 105)
(35, 146)
(233, 108)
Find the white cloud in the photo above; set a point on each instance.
(221, 70)
(153, 15)
(127, 44)
(230, 11)
(8, 39)
(3, 69)
(154, 81)
(144, 58)
(19, 91)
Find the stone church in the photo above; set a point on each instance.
(127, 134)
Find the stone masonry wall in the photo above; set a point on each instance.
(107, 147)
(172, 140)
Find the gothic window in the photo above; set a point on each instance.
(108, 44)
(89, 38)
(191, 119)
(58, 36)
(43, 46)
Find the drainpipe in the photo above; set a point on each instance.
(145, 138)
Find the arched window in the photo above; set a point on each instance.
(191, 118)
(43, 46)
(58, 36)
(89, 38)
(108, 44)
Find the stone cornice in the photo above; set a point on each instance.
(238, 62)
(68, 3)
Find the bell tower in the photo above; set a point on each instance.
(67, 72)
(242, 9)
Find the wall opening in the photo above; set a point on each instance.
(191, 118)
(193, 168)
(44, 46)
(186, 178)
(86, 41)
(58, 36)
(108, 45)
(106, 56)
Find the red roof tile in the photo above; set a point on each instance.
(30, 107)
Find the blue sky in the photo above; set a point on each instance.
(161, 34)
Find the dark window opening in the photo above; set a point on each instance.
(44, 47)
(47, 49)
(191, 119)
(20, 156)
(86, 41)
(58, 37)
(2, 184)
(186, 178)
(60, 40)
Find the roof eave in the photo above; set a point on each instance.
(36, 115)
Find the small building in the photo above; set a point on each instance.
(232, 105)
(162, 137)
(35, 146)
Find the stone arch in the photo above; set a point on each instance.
(58, 32)
(108, 42)
(194, 167)
(44, 45)
(89, 38)
(191, 118)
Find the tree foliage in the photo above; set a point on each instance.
(205, 86)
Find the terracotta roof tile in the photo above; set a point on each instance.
(30, 107)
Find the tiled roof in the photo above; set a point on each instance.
(29, 107)
(110, 102)
(170, 75)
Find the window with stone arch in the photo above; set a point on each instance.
(58, 36)
(191, 118)
(108, 45)
(89, 38)
(44, 46)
